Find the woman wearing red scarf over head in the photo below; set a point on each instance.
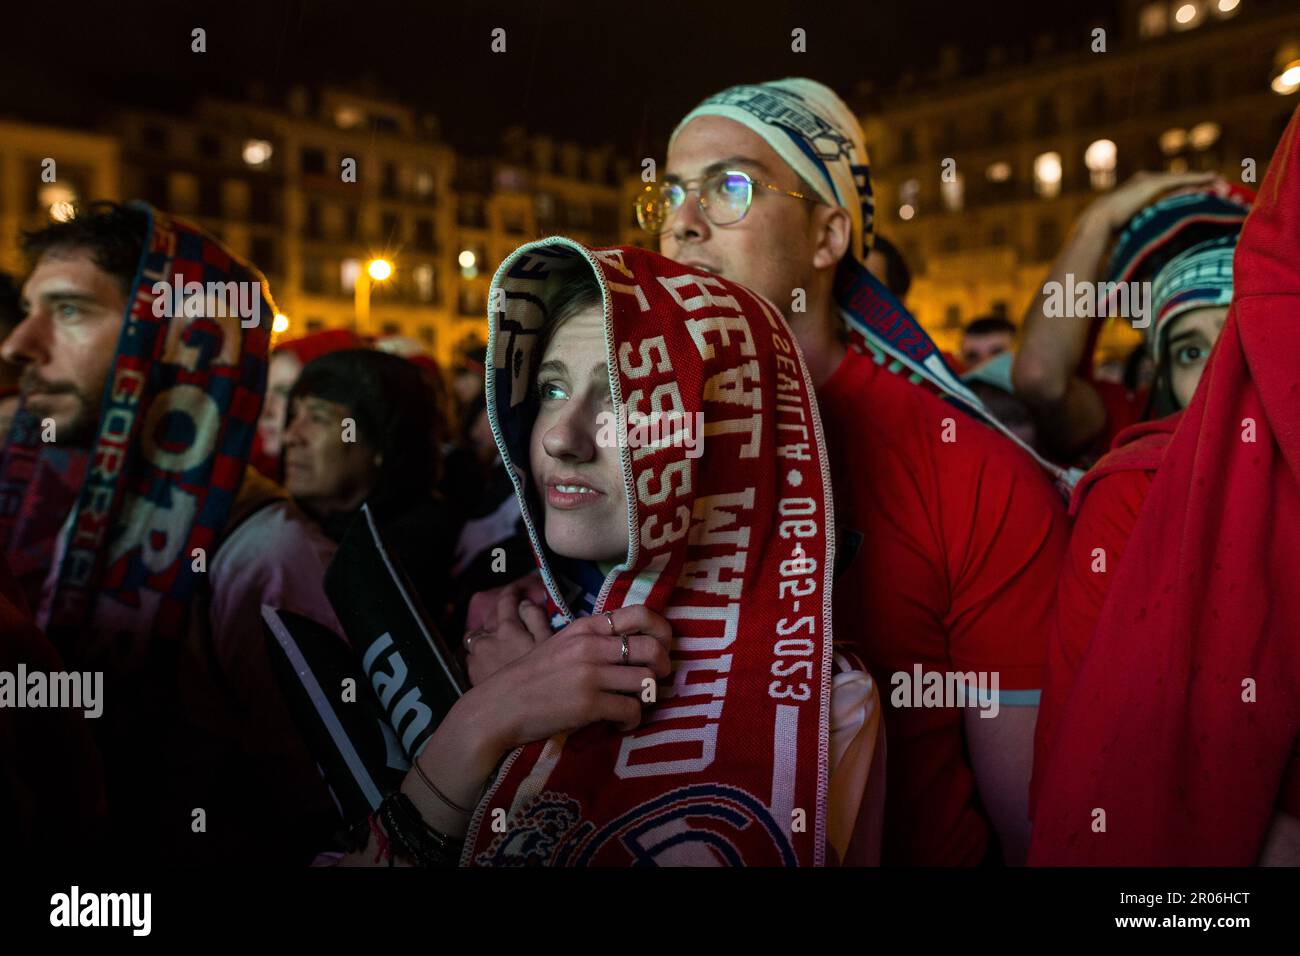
(1177, 743)
(663, 438)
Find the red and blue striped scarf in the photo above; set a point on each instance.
(178, 416)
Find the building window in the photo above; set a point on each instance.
(1045, 117)
(909, 197)
(1047, 240)
(1203, 135)
(262, 204)
(312, 225)
(389, 185)
(1153, 21)
(313, 278)
(209, 146)
(952, 317)
(1171, 92)
(1047, 175)
(426, 335)
(155, 189)
(315, 325)
(351, 223)
(997, 126)
(998, 235)
(389, 226)
(423, 183)
(953, 193)
(349, 272)
(391, 328)
(313, 162)
(210, 198)
(424, 286)
(424, 234)
(257, 153)
(154, 137)
(1187, 15)
(469, 302)
(998, 172)
(950, 243)
(906, 145)
(1100, 158)
(263, 253)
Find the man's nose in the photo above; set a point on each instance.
(570, 438)
(689, 223)
(28, 343)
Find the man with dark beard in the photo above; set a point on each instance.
(147, 545)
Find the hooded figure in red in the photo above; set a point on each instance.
(1175, 746)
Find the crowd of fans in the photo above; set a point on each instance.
(144, 544)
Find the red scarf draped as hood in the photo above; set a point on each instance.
(730, 765)
(1172, 748)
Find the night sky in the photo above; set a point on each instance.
(577, 69)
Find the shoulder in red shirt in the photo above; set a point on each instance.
(953, 550)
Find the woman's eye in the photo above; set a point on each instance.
(1189, 355)
(67, 310)
(550, 390)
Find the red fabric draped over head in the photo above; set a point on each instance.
(729, 538)
(1174, 745)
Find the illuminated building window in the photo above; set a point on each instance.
(423, 275)
(1186, 15)
(1047, 175)
(1153, 21)
(909, 195)
(349, 269)
(257, 153)
(1100, 159)
(998, 172)
(1204, 135)
(1173, 141)
(953, 193)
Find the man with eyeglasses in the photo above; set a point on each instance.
(949, 536)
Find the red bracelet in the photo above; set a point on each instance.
(381, 841)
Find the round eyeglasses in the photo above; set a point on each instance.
(724, 199)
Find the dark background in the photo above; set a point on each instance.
(576, 69)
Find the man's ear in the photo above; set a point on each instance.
(831, 231)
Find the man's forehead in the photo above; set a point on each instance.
(709, 140)
(66, 267)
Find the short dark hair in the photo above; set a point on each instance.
(113, 234)
(989, 325)
(898, 277)
(395, 413)
(578, 291)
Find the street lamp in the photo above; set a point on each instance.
(376, 270)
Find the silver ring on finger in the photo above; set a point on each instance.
(610, 617)
(624, 652)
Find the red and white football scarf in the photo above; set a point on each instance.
(729, 766)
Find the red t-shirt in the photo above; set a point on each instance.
(1105, 520)
(958, 546)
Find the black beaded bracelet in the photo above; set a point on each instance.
(411, 835)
